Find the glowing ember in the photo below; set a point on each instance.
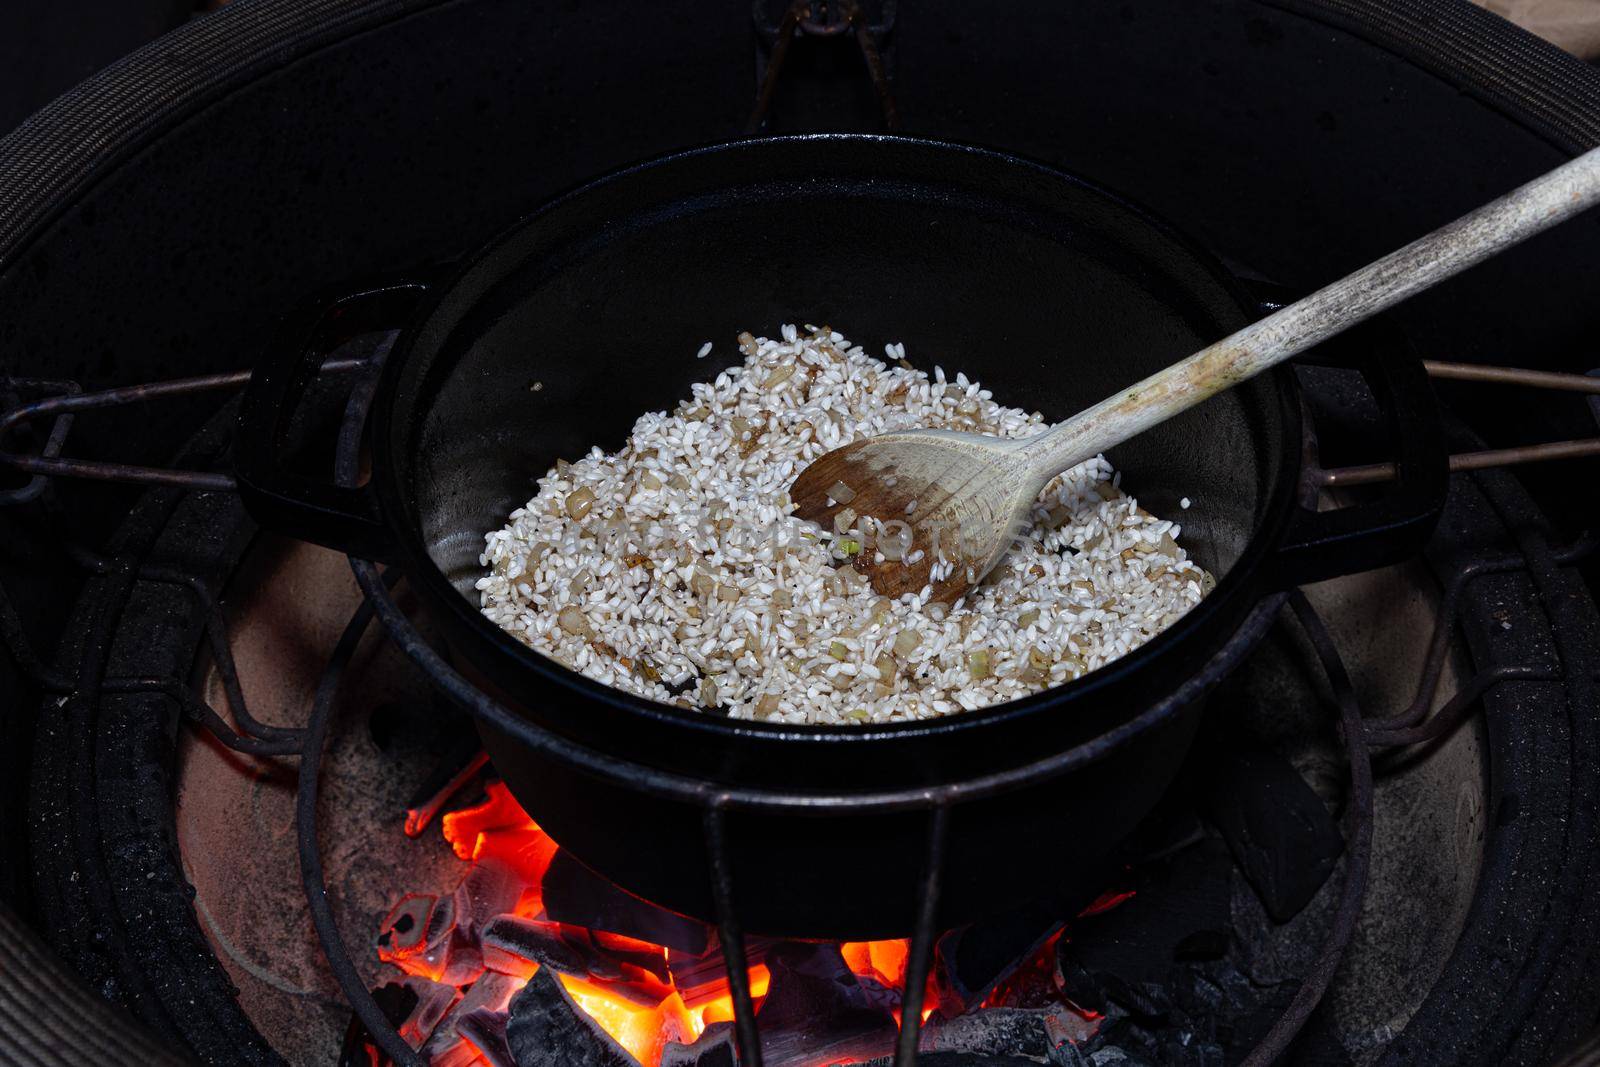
(495, 923)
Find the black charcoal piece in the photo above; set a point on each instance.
(991, 1032)
(1179, 909)
(963, 1059)
(575, 894)
(546, 1029)
(487, 1032)
(714, 1048)
(815, 1010)
(974, 959)
(690, 971)
(1279, 831)
(489, 992)
(511, 942)
(1079, 985)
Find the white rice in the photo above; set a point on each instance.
(686, 579)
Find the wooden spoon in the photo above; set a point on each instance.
(966, 496)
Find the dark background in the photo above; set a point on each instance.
(46, 47)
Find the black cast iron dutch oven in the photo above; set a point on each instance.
(1049, 290)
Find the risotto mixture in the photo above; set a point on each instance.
(672, 568)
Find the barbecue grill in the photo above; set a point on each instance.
(230, 756)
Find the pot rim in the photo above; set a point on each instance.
(1240, 585)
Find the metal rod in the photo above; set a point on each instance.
(1444, 626)
(920, 959)
(49, 463)
(746, 1034)
(383, 1033)
(1439, 643)
(55, 441)
(780, 52)
(1358, 852)
(874, 61)
(204, 715)
(1533, 379)
(1372, 473)
(1456, 709)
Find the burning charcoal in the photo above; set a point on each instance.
(433, 1000)
(1178, 909)
(990, 1032)
(514, 945)
(714, 1048)
(574, 894)
(462, 963)
(517, 946)
(704, 976)
(1066, 1032)
(1145, 1002)
(624, 956)
(486, 1030)
(490, 992)
(418, 935)
(1278, 829)
(816, 1012)
(1078, 984)
(961, 1059)
(546, 1029)
(463, 758)
(492, 887)
(1126, 1041)
(971, 961)
(404, 927)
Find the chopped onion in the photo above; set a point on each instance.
(579, 502)
(894, 539)
(978, 663)
(572, 621)
(841, 492)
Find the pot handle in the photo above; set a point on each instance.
(1374, 533)
(346, 518)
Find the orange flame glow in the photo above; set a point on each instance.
(636, 994)
(639, 1010)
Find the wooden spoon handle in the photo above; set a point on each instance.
(1532, 208)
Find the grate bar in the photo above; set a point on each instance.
(746, 1033)
(1358, 833)
(920, 960)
